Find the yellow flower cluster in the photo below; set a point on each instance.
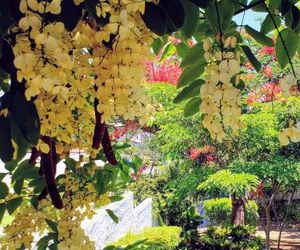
(20, 232)
(290, 134)
(289, 84)
(81, 202)
(220, 99)
(64, 71)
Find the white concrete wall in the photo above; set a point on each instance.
(103, 230)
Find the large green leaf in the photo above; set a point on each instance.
(25, 114)
(157, 44)
(190, 74)
(175, 13)
(13, 204)
(3, 190)
(192, 107)
(291, 41)
(219, 15)
(259, 36)
(251, 57)
(18, 186)
(2, 211)
(194, 55)
(190, 91)
(182, 49)
(6, 146)
(268, 25)
(112, 215)
(25, 171)
(155, 19)
(191, 18)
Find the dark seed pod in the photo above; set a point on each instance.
(107, 149)
(48, 165)
(99, 127)
(34, 155)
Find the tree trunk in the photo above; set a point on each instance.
(268, 227)
(238, 211)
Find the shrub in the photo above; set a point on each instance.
(231, 238)
(156, 238)
(218, 211)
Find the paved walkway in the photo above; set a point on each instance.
(290, 240)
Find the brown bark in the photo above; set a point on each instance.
(238, 211)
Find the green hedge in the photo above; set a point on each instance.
(230, 238)
(156, 238)
(218, 211)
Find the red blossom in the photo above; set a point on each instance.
(267, 50)
(268, 72)
(267, 93)
(203, 155)
(169, 71)
(129, 126)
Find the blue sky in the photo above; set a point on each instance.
(251, 18)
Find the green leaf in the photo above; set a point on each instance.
(274, 5)
(2, 211)
(112, 215)
(3, 190)
(2, 175)
(5, 17)
(34, 201)
(252, 59)
(259, 36)
(52, 224)
(10, 166)
(259, 7)
(182, 49)
(18, 186)
(121, 145)
(191, 18)
(291, 40)
(194, 55)
(168, 51)
(25, 114)
(71, 164)
(189, 74)
(219, 15)
(22, 144)
(175, 13)
(25, 171)
(192, 107)
(6, 146)
(13, 204)
(155, 18)
(268, 25)
(295, 17)
(100, 186)
(190, 91)
(157, 44)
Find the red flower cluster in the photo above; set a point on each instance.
(268, 72)
(268, 92)
(204, 154)
(129, 126)
(267, 50)
(168, 71)
(259, 192)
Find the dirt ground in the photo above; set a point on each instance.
(289, 239)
